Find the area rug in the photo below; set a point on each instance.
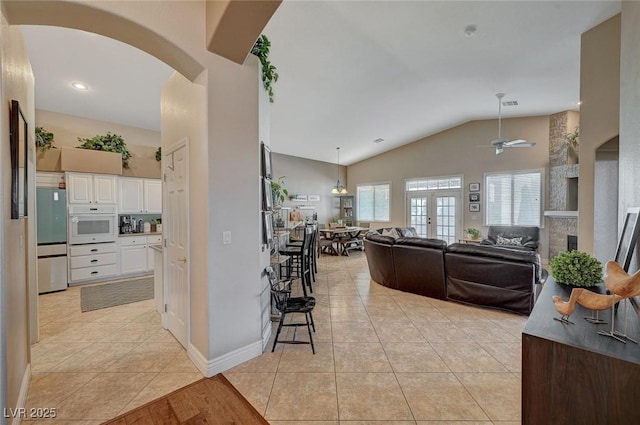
(115, 293)
(207, 401)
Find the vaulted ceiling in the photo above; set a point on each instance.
(352, 72)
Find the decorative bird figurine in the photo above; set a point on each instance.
(585, 298)
(565, 308)
(620, 282)
(623, 285)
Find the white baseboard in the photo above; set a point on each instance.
(211, 367)
(22, 396)
(266, 334)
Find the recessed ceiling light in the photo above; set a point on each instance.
(79, 86)
(470, 30)
(378, 140)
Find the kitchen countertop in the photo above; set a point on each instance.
(139, 234)
(157, 247)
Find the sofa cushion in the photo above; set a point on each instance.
(508, 253)
(422, 242)
(391, 232)
(377, 237)
(530, 235)
(407, 232)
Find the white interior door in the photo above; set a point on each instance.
(435, 214)
(176, 234)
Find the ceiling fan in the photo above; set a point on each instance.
(500, 143)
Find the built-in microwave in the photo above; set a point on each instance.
(92, 224)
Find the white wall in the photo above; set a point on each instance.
(183, 111)
(606, 195)
(308, 177)
(629, 113)
(17, 238)
(67, 128)
(599, 113)
(462, 150)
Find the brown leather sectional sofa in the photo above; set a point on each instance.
(490, 276)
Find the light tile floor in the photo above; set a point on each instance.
(383, 357)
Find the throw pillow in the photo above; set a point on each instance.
(409, 232)
(391, 232)
(509, 241)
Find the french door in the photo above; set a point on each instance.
(435, 214)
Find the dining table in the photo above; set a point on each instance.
(344, 239)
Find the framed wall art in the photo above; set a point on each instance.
(474, 207)
(267, 171)
(474, 197)
(474, 187)
(267, 195)
(19, 146)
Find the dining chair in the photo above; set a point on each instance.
(301, 258)
(312, 253)
(285, 304)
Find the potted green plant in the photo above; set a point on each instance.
(44, 139)
(159, 154)
(473, 232)
(269, 73)
(108, 143)
(573, 138)
(280, 193)
(576, 268)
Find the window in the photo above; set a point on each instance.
(373, 202)
(454, 182)
(514, 199)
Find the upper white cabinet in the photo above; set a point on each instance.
(153, 196)
(140, 195)
(131, 195)
(83, 188)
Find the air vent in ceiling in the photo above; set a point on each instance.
(510, 103)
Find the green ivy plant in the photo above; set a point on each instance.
(44, 139)
(269, 72)
(108, 143)
(473, 232)
(576, 268)
(159, 154)
(280, 193)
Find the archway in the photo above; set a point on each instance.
(92, 19)
(107, 23)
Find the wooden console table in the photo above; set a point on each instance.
(570, 374)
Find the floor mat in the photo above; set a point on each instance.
(115, 293)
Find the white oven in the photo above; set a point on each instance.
(92, 224)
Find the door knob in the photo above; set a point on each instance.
(183, 259)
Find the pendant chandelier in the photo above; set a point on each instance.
(339, 189)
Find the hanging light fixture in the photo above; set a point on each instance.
(339, 189)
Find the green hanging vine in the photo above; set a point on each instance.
(269, 72)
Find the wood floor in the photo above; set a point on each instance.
(207, 401)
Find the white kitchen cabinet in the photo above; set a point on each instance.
(153, 196)
(130, 193)
(86, 188)
(133, 259)
(140, 195)
(91, 262)
(136, 256)
(152, 240)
